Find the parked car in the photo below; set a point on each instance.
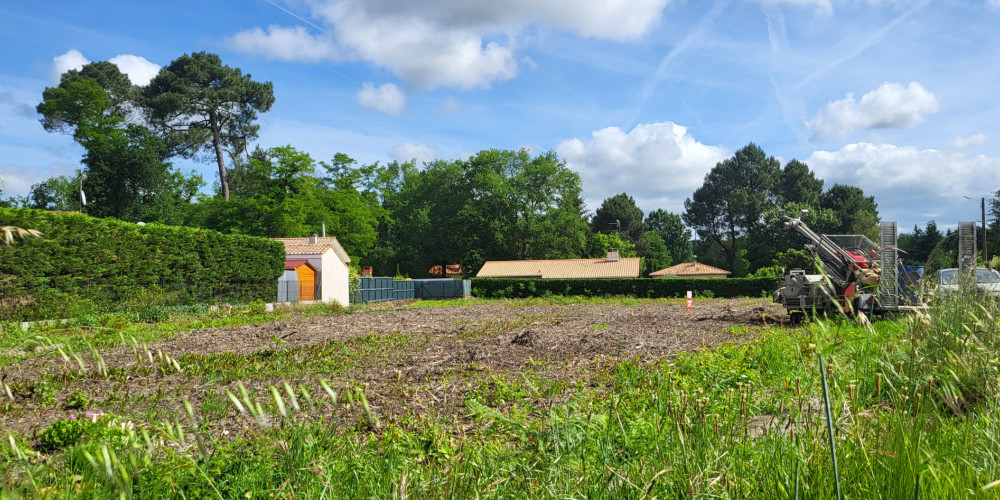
(987, 281)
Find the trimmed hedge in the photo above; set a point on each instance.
(87, 265)
(634, 287)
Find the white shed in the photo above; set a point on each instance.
(330, 261)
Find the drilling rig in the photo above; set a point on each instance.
(856, 275)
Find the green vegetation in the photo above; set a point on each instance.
(902, 408)
(632, 287)
(400, 218)
(88, 266)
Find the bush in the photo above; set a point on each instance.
(71, 431)
(84, 265)
(634, 287)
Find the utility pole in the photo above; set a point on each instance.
(982, 205)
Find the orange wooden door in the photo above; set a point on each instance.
(307, 282)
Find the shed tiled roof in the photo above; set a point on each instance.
(295, 263)
(301, 246)
(450, 269)
(691, 269)
(563, 268)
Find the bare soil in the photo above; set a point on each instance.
(440, 354)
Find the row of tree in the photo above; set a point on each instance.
(396, 217)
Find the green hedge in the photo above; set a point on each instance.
(83, 264)
(635, 287)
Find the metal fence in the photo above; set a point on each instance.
(442, 288)
(288, 287)
(382, 289)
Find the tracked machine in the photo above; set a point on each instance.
(856, 275)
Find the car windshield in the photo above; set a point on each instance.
(984, 275)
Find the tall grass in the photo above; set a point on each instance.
(903, 408)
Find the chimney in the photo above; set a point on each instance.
(694, 261)
(312, 239)
(612, 255)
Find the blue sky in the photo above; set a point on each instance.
(639, 96)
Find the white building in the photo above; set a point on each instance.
(330, 261)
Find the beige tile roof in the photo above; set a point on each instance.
(301, 246)
(690, 269)
(563, 268)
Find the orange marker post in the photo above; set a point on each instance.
(690, 300)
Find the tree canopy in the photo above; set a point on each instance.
(858, 213)
(798, 184)
(734, 196)
(97, 93)
(619, 214)
(202, 105)
(674, 234)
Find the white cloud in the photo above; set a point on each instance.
(890, 106)
(387, 98)
(139, 69)
(426, 56)
(407, 151)
(905, 179)
(62, 63)
(972, 141)
(659, 164)
(285, 44)
(435, 43)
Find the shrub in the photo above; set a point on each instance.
(635, 287)
(77, 401)
(71, 431)
(84, 265)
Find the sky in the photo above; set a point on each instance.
(898, 97)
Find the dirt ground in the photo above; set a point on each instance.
(445, 353)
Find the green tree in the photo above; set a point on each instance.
(497, 205)
(620, 214)
(387, 183)
(202, 105)
(918, 245)
(732, 200)
(767, 243)
(521, 207)
(600, 243)
(858, 213)
(654, 252)
(277, 192)
(675, 235)
(126, 175)
(128, 178)
(800, 185)
(97, 93)
(427, 230)
(55, 193)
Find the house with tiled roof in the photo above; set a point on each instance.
(611, 266)
(330, 261)
(693, 269)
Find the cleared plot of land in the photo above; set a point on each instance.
(410, 361)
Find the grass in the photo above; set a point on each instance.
(906, 407)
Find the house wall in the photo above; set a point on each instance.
(336, 282)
